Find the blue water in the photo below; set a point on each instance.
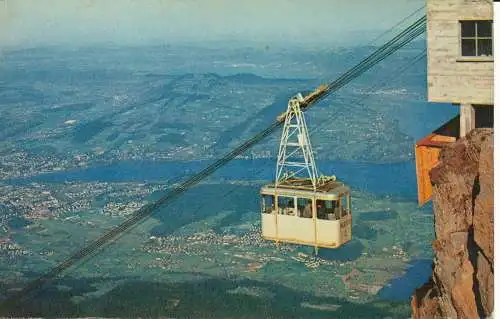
(17, 222)
(401, 288)
(380, 179)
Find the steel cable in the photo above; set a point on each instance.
(386, 50)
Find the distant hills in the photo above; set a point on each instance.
(188, 103)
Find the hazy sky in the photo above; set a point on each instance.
(42, 22)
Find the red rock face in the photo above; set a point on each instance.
(461, 285)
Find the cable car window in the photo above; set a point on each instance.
(322, 208)
(305, 207)
(286, 205)
(335, 215)
(267, 204)
(343, 206)
(348, 204)
(328, 209)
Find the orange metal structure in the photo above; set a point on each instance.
(427, 151)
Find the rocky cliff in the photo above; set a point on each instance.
(461, 285)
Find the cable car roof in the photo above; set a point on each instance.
(331, 189)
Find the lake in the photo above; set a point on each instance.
(395, 179)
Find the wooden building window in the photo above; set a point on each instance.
(476, 38)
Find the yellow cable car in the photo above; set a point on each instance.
(311, 210)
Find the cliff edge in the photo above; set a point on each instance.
(461, 285)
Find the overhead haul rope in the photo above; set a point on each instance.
(396, 25)
(147, 210)
(400, 40)
(396, 73)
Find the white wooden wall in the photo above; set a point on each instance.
(450, 78)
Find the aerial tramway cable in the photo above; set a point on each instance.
(400, 40)
(396, 73)
(383, 52)
(396, 25)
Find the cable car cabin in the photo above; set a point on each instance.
(294, 213)
(310, 210)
